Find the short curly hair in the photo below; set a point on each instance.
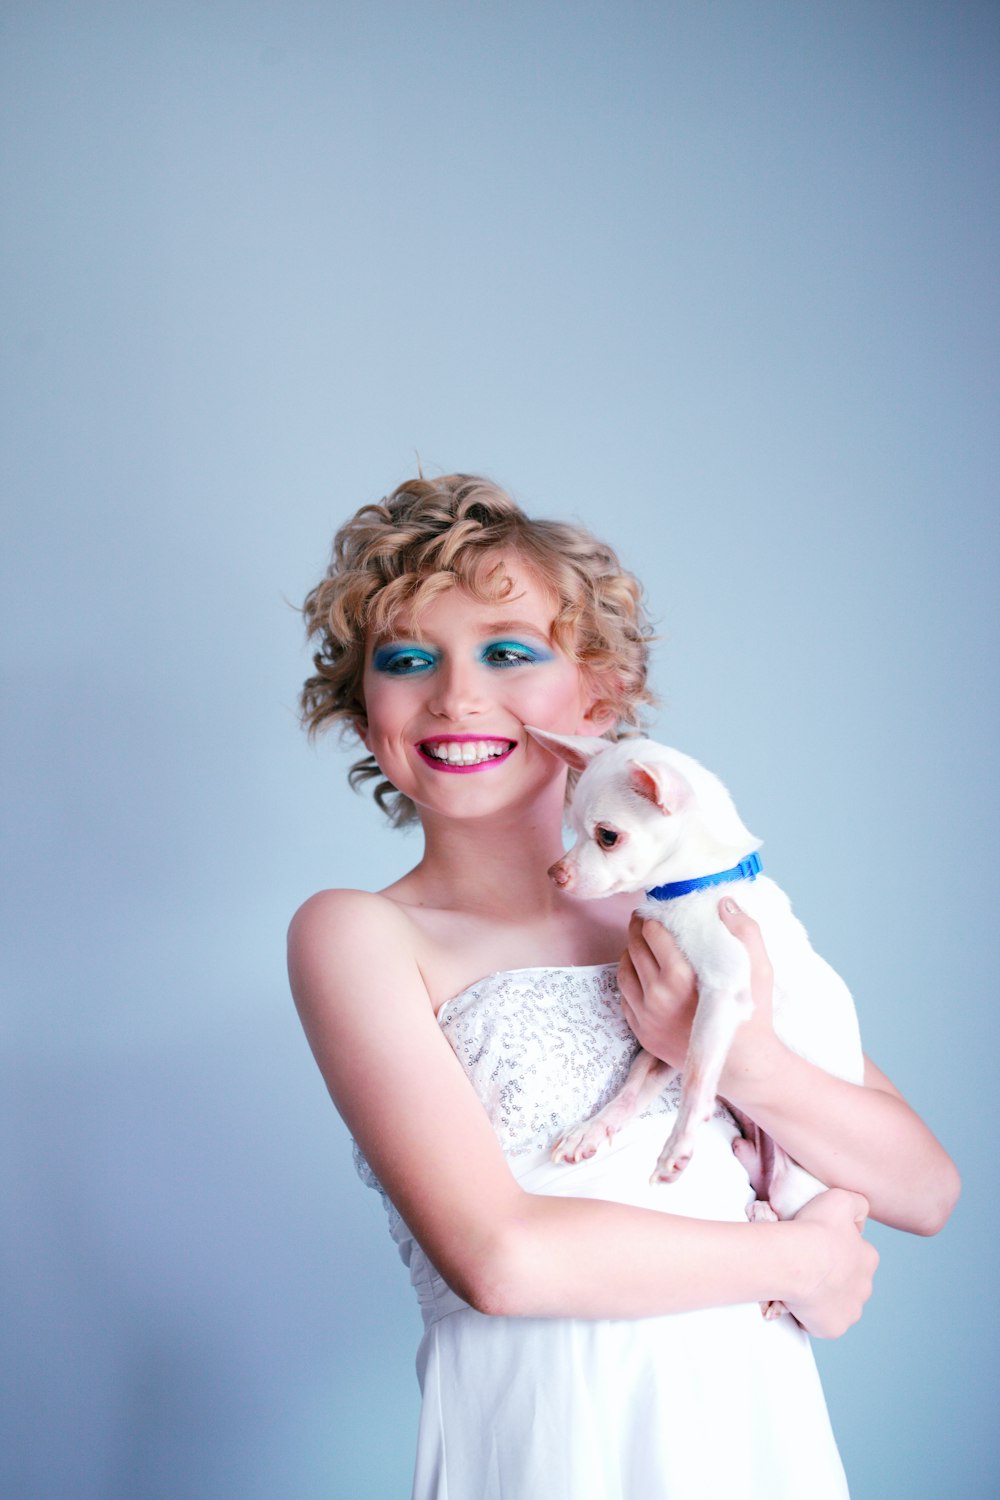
(433, 534)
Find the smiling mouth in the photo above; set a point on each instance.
(465, 754)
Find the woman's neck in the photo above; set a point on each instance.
(495, 866)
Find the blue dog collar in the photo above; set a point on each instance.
(747, 869)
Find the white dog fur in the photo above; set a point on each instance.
(645, 815)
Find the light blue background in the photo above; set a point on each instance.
(716, 278)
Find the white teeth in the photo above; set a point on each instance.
(467, 752)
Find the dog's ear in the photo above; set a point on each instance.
(577, 750)
(659, 784)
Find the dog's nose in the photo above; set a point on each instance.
(561, 874)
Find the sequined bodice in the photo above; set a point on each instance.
(544, 1049)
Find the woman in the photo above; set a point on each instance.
(587, 1336)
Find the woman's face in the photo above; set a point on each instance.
(446, 709)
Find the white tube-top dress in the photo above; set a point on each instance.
(713, 1405)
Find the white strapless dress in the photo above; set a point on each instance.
(714, 1405)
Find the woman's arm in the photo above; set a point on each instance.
(416, 1118)
(864, 1137)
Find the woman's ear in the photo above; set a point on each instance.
(599, 718)
(600, 714)
(360, 727)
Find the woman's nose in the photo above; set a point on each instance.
(458, 690)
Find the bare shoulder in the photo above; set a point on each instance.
(342, 943)
(337, 915)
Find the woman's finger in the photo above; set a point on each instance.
(663, 946)
(650, 948)
(740, 925)
(628, 981)
(745, 928)
(862, 1209)
(644, 969)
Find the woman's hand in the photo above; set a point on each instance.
(660, 996)
(841, 1281)
(658, 989)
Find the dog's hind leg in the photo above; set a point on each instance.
(790, 1187)
(647, 1078)
(754, 1150)
(780, 1185)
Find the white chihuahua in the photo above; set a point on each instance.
(648, 818)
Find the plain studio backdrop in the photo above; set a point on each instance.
(716, 279)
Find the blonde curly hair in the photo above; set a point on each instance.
(429, 535)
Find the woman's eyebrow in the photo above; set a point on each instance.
(411, 636)
(517, 627)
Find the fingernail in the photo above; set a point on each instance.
(730, 907)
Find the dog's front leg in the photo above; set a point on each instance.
(647, 1078)
(719, 1015)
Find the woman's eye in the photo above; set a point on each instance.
(509, 654)
(607, 837)
(401, 662)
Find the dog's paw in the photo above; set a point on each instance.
(748, 1156)
(759, 1211)
(670, 1166)
(772, 1310)
(583, 1143)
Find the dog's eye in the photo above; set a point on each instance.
(607, 837)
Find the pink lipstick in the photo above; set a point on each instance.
(463, 753)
